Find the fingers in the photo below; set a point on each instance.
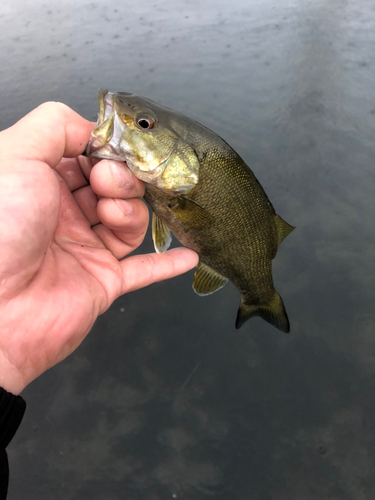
(87, 201)
(113, 179)
(73, 225)
(123, 215)
(109, 179)
(119, 218)
(119, 247)
(124, 224)
(119, 214)
(74, 170)
(48, 133)
(142, 270)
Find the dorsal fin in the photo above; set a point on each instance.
(283, 229)
(206, 280)
(161, 234)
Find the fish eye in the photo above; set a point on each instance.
(145, 122)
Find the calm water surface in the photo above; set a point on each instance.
(165, 399)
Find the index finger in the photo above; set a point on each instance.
(48, 133)
(143, 270)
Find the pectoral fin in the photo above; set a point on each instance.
(273, 312)
(161, 234)
(206, 280)
(283, 229)
(189, 211)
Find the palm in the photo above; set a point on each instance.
(59, 273)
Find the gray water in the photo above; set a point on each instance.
(164, 399)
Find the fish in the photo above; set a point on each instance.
(201, 191)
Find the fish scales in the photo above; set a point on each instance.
(234, 225)
(206, 195)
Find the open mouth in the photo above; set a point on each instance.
(105, 138)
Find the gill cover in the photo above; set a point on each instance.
(160, 158)
(181, 171)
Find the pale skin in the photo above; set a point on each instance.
(64, 226)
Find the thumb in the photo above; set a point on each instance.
(47, 133)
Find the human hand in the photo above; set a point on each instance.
(60, 246)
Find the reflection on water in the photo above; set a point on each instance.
(165, 399)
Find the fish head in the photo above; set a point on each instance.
(148, 137)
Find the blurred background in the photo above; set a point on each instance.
(165, 399)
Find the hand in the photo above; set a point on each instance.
(59, 245)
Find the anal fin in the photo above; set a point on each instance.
(206, 280)
(161, 234)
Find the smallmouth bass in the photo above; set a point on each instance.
(202, 192)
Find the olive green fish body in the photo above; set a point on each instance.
(204, 193)
(233, 229)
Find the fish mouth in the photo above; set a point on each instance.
(105, 138)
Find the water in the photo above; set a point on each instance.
(165, 399)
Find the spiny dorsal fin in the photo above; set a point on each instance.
(161, 235)
(273, 312)
(283, 229)
(206, 280)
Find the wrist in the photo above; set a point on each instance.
(11, 378)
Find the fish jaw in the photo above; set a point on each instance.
(105, 139)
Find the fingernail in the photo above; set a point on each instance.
(125, 206)
(119, 174)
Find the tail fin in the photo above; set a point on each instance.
(273, 312)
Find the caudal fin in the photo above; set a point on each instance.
(273, 312)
